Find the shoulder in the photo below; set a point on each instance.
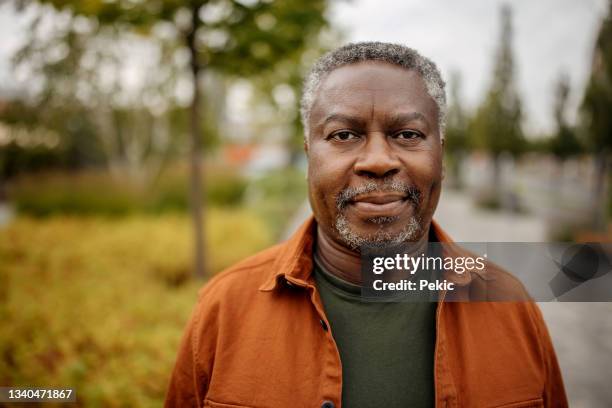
(495, 297)
(224, 300)
(484, 281)
(501, 285)
(247, 275)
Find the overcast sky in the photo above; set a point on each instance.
(550, 36)
(10, 35)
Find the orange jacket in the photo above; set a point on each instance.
(259, 337)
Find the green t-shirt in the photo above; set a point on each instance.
(386, 348)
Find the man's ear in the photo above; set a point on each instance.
(306, 145)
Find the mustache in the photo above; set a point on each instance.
(348, 194)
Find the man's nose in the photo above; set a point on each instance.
(377, 158)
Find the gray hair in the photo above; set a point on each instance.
(395, 54)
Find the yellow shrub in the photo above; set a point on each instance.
(100, 304)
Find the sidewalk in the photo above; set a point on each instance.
(466, 223)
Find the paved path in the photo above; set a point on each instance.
(582, 335)
(466, 223)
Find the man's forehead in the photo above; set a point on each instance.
(355, 95)
(383, 85)
(371, 76)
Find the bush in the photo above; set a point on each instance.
(88, 193)
(99, 304)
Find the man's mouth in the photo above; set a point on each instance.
(380, 204)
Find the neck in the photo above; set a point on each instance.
(345, 263)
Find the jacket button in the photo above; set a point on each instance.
(324, 325)
(327, 404)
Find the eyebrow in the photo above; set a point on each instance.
(395, 120)
(401, 118)
(340, 117)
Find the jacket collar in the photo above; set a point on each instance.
(294, 261)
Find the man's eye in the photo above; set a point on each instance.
(344, 135)
(407, 134)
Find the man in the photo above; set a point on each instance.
(288, 327)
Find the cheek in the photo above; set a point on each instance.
(432, 184)
(326, 177)
(425, 170)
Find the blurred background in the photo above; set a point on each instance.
(147, 145)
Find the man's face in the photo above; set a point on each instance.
(374, 155)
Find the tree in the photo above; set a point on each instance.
(596, 118)
(84, 98)
(496, 127)
(226, 36)
(564, 144)
(281, 88)
(40, 139)
(456, 140)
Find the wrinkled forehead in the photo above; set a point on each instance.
(376, 87)
(364, 72)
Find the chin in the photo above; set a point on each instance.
(378, 231)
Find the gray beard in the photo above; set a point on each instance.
(381, 238)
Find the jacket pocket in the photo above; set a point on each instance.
(532, 403)
(212, 404)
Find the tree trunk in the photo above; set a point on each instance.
(496, 182)
(599, 192)
(196, 180)
(2, 190)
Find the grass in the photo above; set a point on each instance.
(99, 303)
